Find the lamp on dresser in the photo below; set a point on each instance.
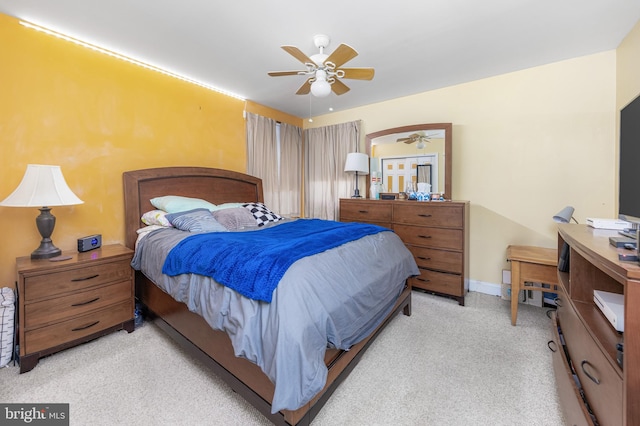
(43, 186)
(359, 163)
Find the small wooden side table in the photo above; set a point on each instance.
(531, 264)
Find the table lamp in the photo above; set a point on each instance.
(565, 215)
(358, 163)
(43, 187)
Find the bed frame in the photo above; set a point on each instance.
(210, 346)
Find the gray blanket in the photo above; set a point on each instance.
(332, 299)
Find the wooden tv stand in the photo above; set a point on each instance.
(610, 390)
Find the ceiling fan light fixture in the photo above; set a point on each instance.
(320, 88)
(324, 72)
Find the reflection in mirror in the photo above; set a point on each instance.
(399, 154)
(423, 173)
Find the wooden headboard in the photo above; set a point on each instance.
(214, 185)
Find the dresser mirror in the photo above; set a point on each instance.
(402, 150)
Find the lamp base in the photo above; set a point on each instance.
(46, 251)
(45, 223)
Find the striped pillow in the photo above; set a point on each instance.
(196, 220)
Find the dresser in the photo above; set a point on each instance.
(593, 380)
(64, 303)
(436, 232)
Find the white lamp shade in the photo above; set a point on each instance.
(357, 162)
(320, 88)
(42, 186)
(564, 215)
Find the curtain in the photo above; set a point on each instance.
(274, 155)
(325, 180)
(290, 169)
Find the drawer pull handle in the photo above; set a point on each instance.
(424, 215)
(555, 346)
(593, 379)
(424, 258)
(363, 211)
(558, 302)
(84, 327)
(87, 302)
(85, 278)
(423, 280)
(424, 236)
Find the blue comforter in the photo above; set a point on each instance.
(253, 263)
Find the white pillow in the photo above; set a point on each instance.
(155, 217)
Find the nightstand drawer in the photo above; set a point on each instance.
(366, 211)
(427, 214)
(430, 237)
(54, 283)
(439, 282)
(441, 260)
(77, 328)
(54, 310)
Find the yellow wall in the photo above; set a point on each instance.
(97, 116)
(628, 68)
(525, 144)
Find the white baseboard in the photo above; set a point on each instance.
(486, 288)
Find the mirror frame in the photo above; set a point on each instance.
(448, 136)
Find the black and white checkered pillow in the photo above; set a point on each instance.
(261, 213)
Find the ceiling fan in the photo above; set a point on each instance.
(323, 71)
(420, 137)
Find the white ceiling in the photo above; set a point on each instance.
(414, 45)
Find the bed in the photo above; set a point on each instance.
(191, 330)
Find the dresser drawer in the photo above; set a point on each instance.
(77, 328)
(428, 214)
(54, 310)
(604, 398)
(427, 258)
(72, 280)
(365, 211)
(574, 410)
(439, 282)
(430, 237)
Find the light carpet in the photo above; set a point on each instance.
(444, 365)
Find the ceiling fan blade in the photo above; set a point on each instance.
(305, 88)
(341, 55)
(281, 73)
(403, 139)
(298, 54)
(358, 73)
(339, 87)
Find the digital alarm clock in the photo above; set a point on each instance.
(89, 243)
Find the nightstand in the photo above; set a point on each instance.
(64, 303)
